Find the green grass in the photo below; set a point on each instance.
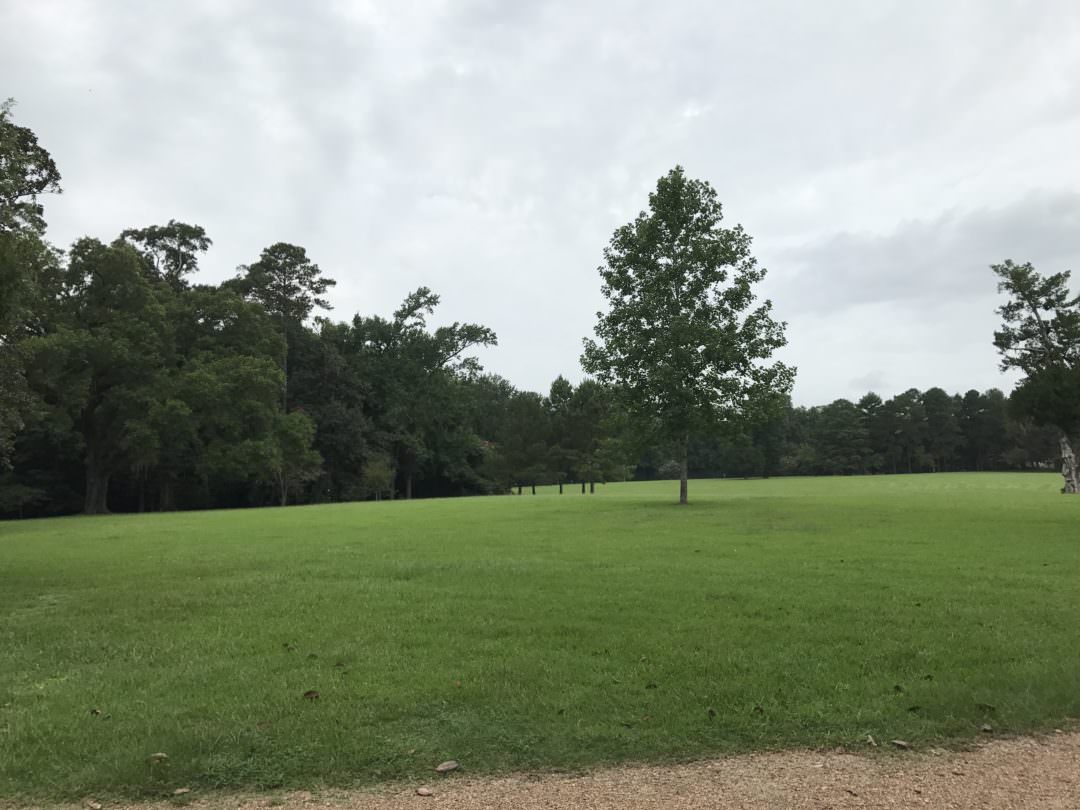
(531, 632)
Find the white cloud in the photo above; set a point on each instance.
(488, 150)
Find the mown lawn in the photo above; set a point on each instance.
(529, 632)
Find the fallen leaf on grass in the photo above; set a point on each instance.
(901, 744)
(446, 767)
(311, 694)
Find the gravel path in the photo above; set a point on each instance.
(1028, 772)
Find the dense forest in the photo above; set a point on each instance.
(128, 385)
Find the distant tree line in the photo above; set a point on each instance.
(913, 432)
(129, 386)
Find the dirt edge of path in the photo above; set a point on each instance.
(1022, 772)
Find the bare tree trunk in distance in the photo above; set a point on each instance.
(582, 487)
(97, 488)
(683, 473)
(408, 487)
(592, 487)
(1069, 469)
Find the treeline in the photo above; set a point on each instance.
(913, 432)
(149, 392)
(129, 386)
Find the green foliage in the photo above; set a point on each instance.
(290, 461)
(683, 340)
(172, 250)
(522, 634)
(286, 282)
(377, 478)
(1041, 319)
(100, 363)
(1040, 335)
(27, 170)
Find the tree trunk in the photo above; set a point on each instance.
(519, 489)
(592, 487)
(408, 487)
(166, 497)
(283, 483)
(1069, 470)
(683, 476)
(285, 367)
(582, 487)
(534, 489)
(560, 487)
(97, 487)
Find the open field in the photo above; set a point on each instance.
(532, 633)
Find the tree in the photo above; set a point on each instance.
(844, 439)
(943, 436)
(172, 250)
(682, 341)
(414, 374)
(1040, 336)
(27, 170)
(290, 286)
(100, 364)
(291, 460)
(377, 477)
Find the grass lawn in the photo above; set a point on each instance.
(528, 632)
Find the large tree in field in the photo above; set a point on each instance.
(684, 341)
(1040, 336)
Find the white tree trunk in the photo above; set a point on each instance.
(1068, 467)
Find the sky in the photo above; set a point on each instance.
(882, 154)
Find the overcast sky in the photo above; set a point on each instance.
(882, 154)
